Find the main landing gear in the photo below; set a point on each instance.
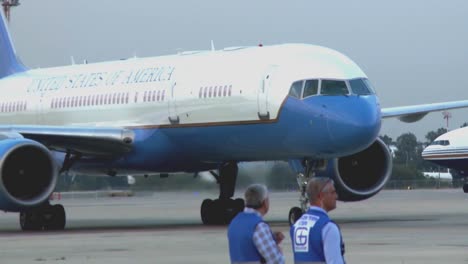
(310, 167)
(47, 216)
(222, 210)
(44, 217)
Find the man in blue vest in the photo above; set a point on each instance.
(250, 238)
(315, 237)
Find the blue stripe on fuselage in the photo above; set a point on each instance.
(316, 127)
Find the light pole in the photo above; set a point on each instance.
(447, 115)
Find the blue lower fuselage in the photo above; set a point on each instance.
(318, 127)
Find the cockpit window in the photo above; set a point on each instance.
(296, 89)
(360, 87)
(310, 88)
(332, 87)
(441, 142)
(369, 85)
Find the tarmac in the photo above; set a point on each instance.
(408, 226)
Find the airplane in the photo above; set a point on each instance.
(450, 150)
(191, 112)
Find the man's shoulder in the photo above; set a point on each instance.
(331, 228)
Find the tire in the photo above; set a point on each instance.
(231, 209)
(206, 211)
(228, 209)
(59, 217)
(240, 204)
(465, 188)
(218, 213)
(30, 221)
(54, 217)
(294, 214)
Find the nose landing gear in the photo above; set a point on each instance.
(310, 168)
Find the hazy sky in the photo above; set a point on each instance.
(412, 51)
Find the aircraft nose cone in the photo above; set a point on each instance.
(424, 153)
(430, 152)
(355, 125)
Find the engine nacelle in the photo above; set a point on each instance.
(28, 174)
(361, 175)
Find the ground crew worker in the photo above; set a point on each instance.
(315, 237)
(250, 238)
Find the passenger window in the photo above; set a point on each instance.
(310, 88)
(296, 89)
(331, 87)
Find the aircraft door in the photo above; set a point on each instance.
(262, 94)
(40, 109)
(172, 104)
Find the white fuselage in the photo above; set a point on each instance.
(232, 85)
(452, 145)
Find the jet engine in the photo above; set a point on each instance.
(363, 174)
(28, 174)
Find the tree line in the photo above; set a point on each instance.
(407, 161)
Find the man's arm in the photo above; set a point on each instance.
(266, 245)
(332, 244)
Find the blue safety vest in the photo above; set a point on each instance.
(306, 237)
(240, 237)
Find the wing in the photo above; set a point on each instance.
(83, 140)
(415, 113)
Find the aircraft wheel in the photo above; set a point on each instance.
(240, 204)
(230, 208)
(294, 214)
(465, 188)
(30, 220)
(206, 211)
(57, 218)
